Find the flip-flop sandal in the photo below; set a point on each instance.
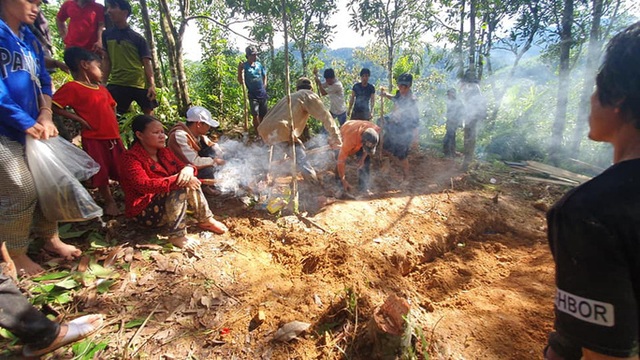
(77, 329)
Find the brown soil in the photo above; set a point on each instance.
(470, 256)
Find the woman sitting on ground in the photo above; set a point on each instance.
(158, 187)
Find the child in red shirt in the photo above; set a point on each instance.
(86, 24)
(95, 109)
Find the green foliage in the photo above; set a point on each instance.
(276, 84)
(87, 349)
(59, 287)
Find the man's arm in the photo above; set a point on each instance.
(264, 76)
(69, 115)
(315, 108)
(51, 63)
(321, 89)
(62, 28)
(98, 45)
(148, 72)
(342, 159)
(241, 73)
(190, 154)
(61, 24)
(351, 98)
(106, 68)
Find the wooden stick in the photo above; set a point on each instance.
(138, 332)
(246, 113)
(294, 171)
(381, 124)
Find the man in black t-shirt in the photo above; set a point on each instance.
(594, 230)
(363, 98)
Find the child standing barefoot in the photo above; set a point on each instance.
(95, 110)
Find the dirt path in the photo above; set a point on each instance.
(470, 256)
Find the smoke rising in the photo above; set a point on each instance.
(247, 165)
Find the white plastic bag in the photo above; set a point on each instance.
(60, 194)
(76, 160)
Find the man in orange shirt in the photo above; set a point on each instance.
(359, 137)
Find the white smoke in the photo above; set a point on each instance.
(247, 165)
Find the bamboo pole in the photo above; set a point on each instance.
(293, 202)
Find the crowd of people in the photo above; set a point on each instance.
(163, 177)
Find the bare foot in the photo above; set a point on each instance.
(73, 331)
(111, 209)
(184, 242)
(213, 225)
(24, 265)
(8, 268)
(56, 246)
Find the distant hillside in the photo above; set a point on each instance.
(501, 60)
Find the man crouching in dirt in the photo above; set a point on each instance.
(594, 230)
(274, 128)
(359, 137)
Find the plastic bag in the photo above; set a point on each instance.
(60, 194)
(78, 162)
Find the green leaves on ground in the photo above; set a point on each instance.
(59, 287)
(87, 349)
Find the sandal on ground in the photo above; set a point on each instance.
(77, 329)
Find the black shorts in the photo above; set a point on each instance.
(258, 107)
(397, 140)
(124, 95)
(361, 115)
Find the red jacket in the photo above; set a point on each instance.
(142, 178)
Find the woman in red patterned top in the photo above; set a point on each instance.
(158, 187)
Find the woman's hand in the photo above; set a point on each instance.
(35, 131)
(185, 176)
(46, 121)
(194, 184)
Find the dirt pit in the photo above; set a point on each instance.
(468, 252)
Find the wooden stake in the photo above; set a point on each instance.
(246, 112)
(293, 203)
(381, 124)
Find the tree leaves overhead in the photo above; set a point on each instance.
(307, 24)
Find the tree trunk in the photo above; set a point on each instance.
(173, 40)
(499, 94)
(303, 59)
(148, 34)
(482, 49)
(460, 42)
(472, 39)
(390, 54)
(560, 120)
(593, 54)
